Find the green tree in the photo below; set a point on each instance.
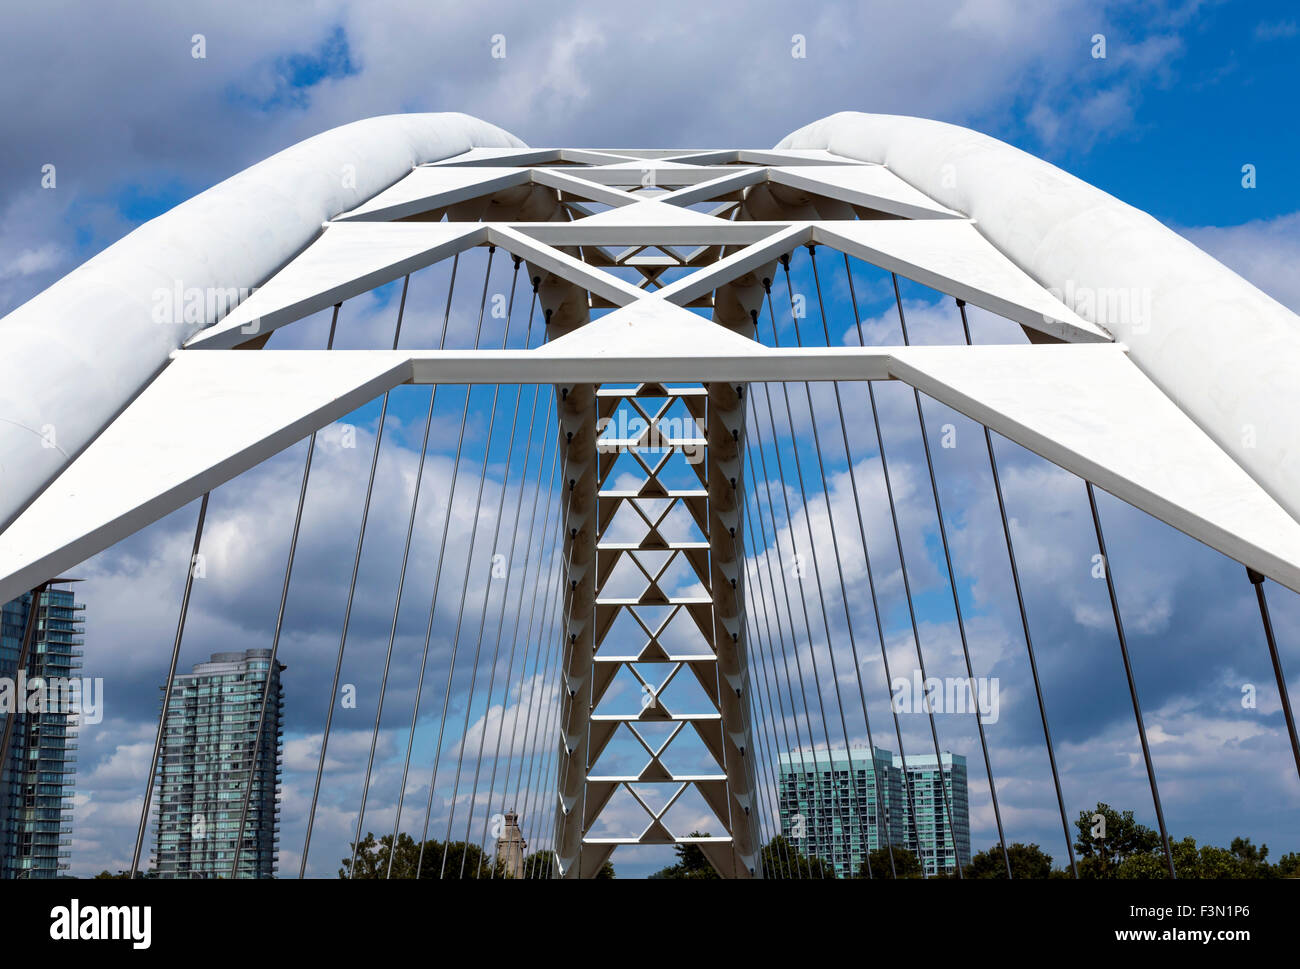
(691, 862)
(1151, 864)
(1117, 838)
(1027, 861)
(782, 859)
(906, 864)
(372, 859)
(539, 864)
(1288, 865)
(1252, 861)
(1241, 860)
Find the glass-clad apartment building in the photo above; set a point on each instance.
(207, 760)
(37, 778)
(928, 835)
(828, 804)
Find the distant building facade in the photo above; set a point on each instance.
(37, 779)
(832, 806)
(929, 837)
(206, 763)
(512, 849)
(829, 806)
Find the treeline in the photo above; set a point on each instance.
(462, 861)
(1110, 844)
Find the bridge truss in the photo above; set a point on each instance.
(682, 313)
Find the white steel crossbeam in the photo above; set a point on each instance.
(209, 416)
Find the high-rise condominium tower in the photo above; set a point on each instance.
(207, 761)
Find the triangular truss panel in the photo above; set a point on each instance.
(348, 259)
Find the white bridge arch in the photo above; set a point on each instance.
(651, 268)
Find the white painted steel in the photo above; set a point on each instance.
(208, 417)
(350, 258)
(1227, 354)
(76, 354)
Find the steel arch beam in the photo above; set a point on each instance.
(79, 352)
(1222, 350)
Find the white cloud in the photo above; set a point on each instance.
(1264, 251)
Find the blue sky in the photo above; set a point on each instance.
(1187, 94)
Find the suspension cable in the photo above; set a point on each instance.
(763, 732)
(920, 417)
(519, 607)
(401, 583)
(1024, 623)
(530, 725)
(356, 563)
(279, 624)
(898, 539)
(771, 506)
(167, 690)
(557, 634)
(547, 633)
(839, 406)
(338, 664)
(428, 631)
(1257, 580)
(487, 595)
(785, 730)
(1128, 673)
